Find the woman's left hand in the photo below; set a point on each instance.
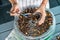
(41, 9)
(43, 15)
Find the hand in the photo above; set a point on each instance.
(41, 9)
(43, 15)
(15, 9)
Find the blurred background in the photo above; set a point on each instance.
(6, 19)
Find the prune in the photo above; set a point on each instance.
(29, 26)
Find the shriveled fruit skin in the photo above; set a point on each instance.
(28, 24)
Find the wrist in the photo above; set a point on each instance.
(44, 2)
(13, 2)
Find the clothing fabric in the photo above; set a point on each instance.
(25, 3)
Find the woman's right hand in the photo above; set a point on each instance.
(15, 9)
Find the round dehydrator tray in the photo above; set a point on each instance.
(55, 36)
(44, 33)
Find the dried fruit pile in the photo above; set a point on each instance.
(58, 37)
(28, 23)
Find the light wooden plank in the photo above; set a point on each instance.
(55, 10)
(6, 26)
(4, 35)
(57, 29)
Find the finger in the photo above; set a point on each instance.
(12, 13)
(42, 18)
(41, 21)
(15, 14)
(17, 10)
(12, 9)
